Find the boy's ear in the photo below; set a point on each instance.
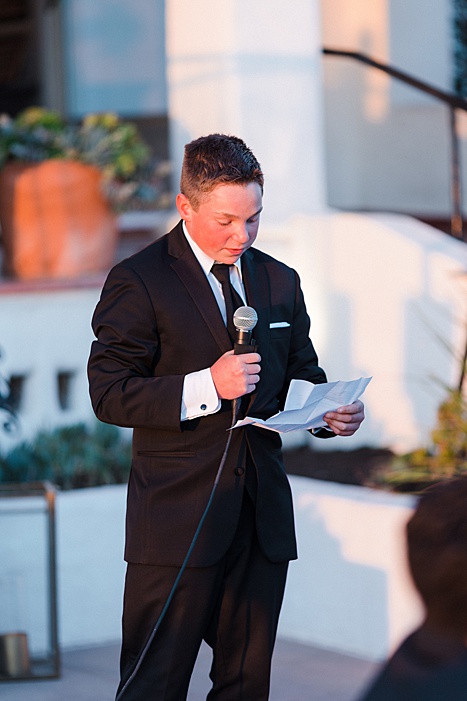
(184, 207)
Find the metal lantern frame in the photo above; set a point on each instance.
(47, 667)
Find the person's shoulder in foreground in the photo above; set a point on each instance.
(431, 664)
(426, 667)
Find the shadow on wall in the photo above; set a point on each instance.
(387, 144)
(428, 324)
(332, 600)
(342, 365)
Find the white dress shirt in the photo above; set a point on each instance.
(199, 396)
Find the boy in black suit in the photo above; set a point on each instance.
(163, 364)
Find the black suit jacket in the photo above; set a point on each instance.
(156, 321)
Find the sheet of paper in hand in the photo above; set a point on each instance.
(307, 403)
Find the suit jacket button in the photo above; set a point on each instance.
(203, 407)
(239, 471)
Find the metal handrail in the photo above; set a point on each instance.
(453, 101)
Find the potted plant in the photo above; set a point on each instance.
(61, 187)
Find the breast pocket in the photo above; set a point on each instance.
(280, 333)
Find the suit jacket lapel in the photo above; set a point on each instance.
(257, 288)
(191, 274)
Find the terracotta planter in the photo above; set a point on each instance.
(55, 222)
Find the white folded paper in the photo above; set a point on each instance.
(307, 403)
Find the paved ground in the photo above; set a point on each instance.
(300, 673)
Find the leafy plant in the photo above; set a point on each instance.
(130, 175)
(460, 46)
(445, 458)
(71, 457)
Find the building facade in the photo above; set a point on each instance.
(386, 293)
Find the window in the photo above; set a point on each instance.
(19, 78)
(64, 389)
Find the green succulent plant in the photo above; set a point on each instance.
(70, 457)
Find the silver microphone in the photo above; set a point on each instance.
(244, 320)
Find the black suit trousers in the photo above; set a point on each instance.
(234, 606)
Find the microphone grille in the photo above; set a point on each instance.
(245, 318)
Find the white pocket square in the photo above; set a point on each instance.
(279, 325)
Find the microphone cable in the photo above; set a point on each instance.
(184, 563)
(241, 346)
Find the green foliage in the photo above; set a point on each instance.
(444, 459)
(71, 457)
(130, 176)
(460, 46)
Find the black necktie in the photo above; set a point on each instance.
(231, 297)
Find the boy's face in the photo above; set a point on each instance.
(226, 222)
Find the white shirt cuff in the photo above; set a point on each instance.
(199, 396)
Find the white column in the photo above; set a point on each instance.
(253, 69)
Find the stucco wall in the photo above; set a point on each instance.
(349, 590)
(387, 144)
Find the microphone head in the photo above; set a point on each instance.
(245, 318)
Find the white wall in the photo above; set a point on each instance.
(387, 298)
(45, 329)
(242, 68)
(91, 570)
(387, 145)
(349, 590)
(90, 567)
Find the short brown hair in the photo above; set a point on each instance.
(437, 551)
(215, 160)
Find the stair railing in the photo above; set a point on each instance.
(453, 101)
